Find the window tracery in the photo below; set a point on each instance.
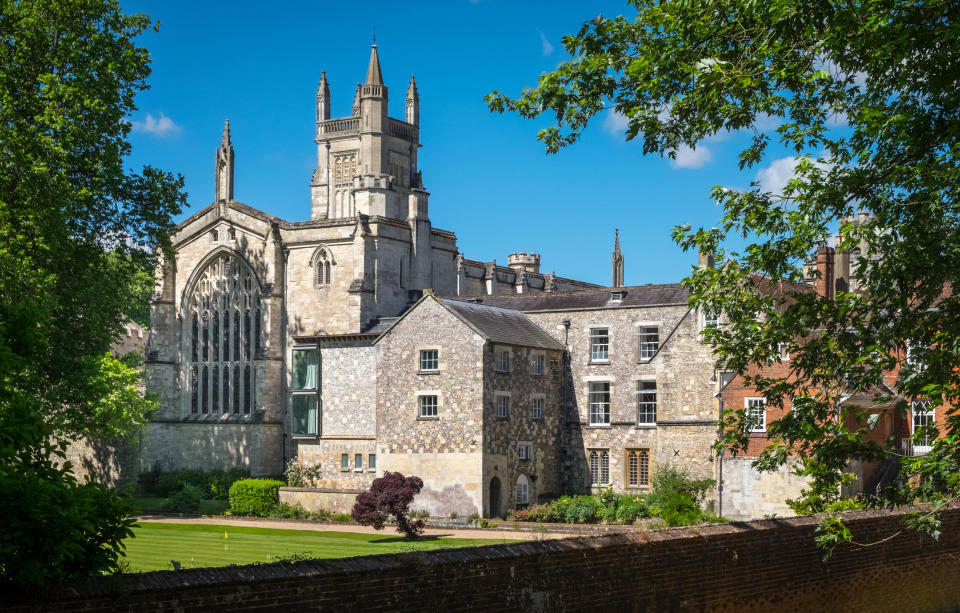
(223, 326)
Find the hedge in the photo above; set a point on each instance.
(254, 496)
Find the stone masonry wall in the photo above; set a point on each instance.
(502, 435)
(686, 384)
(766, 566)
(444, 451)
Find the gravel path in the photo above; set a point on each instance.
(293, 524)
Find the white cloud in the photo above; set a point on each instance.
(774, 177)
(547, 47)
(614, 122)
(688, 157)
(161, 126)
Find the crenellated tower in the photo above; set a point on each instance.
(367, 160)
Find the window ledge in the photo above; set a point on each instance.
(537, 418)
(344, 470)
(304, 436)
(502, 372)
(600, 362)
(645, 426)
(502, 417)
(607, 426)
(536, 374)
(358, 470)
(428, 418)
(429, 372)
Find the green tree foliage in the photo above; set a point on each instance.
(865, 95)
(75, 225)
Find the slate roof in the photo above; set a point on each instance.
(501, 325)
(594, 298)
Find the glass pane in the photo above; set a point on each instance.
(372, 461)
(358, 461)
(304, 412)
(304, 369)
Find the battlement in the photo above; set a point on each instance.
(526, 261)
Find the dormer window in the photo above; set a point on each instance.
(617, 295)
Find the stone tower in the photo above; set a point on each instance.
(617, 280)
(367, 160)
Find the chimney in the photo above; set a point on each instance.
(704, 258)
(825, 269)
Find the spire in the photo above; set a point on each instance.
(224, 166)
(413, 103)
(323, 98)
(225, 139)
(356, 101)
(374, 76)
(617, 262)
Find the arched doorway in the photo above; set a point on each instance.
(495, 497)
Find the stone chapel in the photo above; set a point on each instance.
(245, 289)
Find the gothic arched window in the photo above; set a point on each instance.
(223, 329)
(324, 263)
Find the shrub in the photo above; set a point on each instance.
(343, 517)
(187, 500)
(678, 497)
(537, 513)
(582, 510)
(300, 474)
(629, 510)
(254, 496)
(285, 511)
(321, 515)
(389, 495)
(222, 480)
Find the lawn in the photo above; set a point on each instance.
(197, 545)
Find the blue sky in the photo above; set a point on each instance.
(490, 180)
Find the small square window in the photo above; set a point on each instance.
(358, 461)
(599, 345)
(537, 408)
(536, 364)
(503, 406)
(429, 359)
(503, 361)
(428, 406)
(372, 461)
(344, 460)
(523, 451)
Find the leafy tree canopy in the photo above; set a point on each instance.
(75, 225)
(886, 70)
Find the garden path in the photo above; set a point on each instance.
(496, 534)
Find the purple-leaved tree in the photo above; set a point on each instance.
(389, 495)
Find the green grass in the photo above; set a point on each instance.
(207, 507)
(198, 545)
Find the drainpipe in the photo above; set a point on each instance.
(564, 360)
(720, 471)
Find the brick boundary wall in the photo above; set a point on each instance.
(771, 565)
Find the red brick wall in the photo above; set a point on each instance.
(764, 566)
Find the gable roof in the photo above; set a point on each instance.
(501, 325)
(495, 324)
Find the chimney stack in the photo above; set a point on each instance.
(825, 269)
